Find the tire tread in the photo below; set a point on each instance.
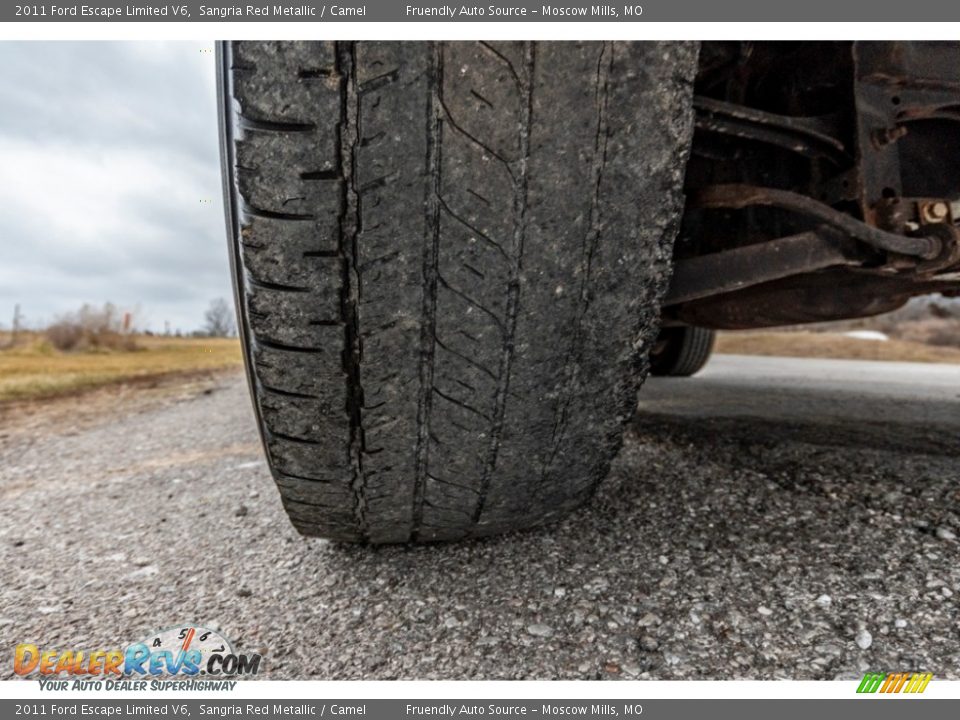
(420, 225)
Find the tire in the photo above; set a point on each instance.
(448, 261)
(682, 351)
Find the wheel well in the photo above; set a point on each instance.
(845, 154)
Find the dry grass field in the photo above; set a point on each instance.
(831, 345)
(33, 369)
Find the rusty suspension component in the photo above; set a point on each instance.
(742, 267)
(737, 196)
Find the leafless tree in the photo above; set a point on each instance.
(219, 320)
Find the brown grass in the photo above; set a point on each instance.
(34, 369)
(831, 345)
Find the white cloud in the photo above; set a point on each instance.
(108, 150)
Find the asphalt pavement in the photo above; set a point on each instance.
(770, 518)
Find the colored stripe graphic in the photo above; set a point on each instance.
(870, 683)
(914, 683)
(918, 683)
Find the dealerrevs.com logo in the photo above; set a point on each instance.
(180, 651)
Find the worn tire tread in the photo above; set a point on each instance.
(449, 259)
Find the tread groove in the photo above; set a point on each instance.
(431, 273)
(291, 438)
(286, 393)
(472, 301)
(275, 345)
(471, 137)
(350, 228)
(470, 361)
(500, 56)
(267, 285)
(258, 212)
(520, 181)
(313, 73)
(472, 228)
(321, 175)
(291, 476)
(460, 403)
(378, 82)
(251, 124)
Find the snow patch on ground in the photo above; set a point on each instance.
(867, 335)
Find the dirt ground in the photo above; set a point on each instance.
(810, 533)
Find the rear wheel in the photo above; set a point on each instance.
(681, 351)
(449, 259)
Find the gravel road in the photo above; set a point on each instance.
(768, 519)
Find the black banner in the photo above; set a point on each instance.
(501, 11)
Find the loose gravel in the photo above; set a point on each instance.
(719, 548)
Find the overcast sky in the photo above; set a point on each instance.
(106, 152)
